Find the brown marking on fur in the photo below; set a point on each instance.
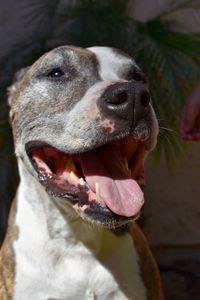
(7, 260)
(149, 270)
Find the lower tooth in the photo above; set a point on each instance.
(126, 164)
(73, 175)
(81, 181)
(70, 165)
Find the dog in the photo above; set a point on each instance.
(83, 125)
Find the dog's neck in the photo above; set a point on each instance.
(44, 214)
(59, 243)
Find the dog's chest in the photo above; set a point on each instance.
(78, 273)
(89, 264)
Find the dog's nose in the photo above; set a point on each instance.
(124, 99)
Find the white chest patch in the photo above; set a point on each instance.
(71, 262)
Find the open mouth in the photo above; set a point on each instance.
(104, 185)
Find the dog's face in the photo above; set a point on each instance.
(83, 124)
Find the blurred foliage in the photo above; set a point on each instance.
(169, 58)
(171, 61)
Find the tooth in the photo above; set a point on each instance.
(81, 181)
(126, 164)
(70, 165)
(73, 175)
(97, 190)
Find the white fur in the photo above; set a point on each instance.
(111, 63)
(58, 256)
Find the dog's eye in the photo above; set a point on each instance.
(136, 75)
(56, 73)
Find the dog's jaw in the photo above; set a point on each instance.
(72, 121)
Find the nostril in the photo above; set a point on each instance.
(122, 97)
(118, 98)
(145, 99)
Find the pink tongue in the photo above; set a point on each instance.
(120, 193)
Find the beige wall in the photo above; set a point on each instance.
(171, 216)
(172, 209)
(187, 17)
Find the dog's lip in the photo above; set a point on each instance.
(145, 138)
(31, 145)
(103, 216)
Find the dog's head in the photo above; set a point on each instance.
(83, 124)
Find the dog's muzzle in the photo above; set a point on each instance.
(104, 184)
(125, 98)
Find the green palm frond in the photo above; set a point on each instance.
(95, 22)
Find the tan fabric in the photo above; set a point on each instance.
(7, 265)
(149, 270)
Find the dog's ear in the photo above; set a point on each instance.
(16, 80)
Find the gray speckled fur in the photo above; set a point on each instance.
(65, 113)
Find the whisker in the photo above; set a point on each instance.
(168, 129)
